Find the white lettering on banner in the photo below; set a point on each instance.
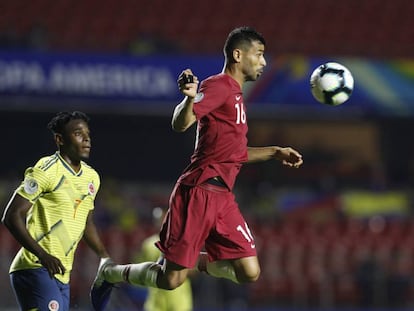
(20, 75)
(87, 79)
(103, 79)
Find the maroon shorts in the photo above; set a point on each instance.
(204, 216)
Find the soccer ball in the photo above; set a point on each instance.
(331, 84)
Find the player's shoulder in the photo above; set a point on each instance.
(43, 169)
(46, 162)
(218, 78)
(221, 80)
(89, 169)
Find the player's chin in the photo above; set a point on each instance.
(258, 74)
(253, 77)
(84, 156)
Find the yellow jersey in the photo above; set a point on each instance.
(62, 199)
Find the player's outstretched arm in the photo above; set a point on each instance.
(287, 155)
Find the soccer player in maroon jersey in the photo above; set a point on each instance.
(202, 210)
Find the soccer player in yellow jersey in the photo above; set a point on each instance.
(49, 213)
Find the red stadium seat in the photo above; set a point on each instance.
(319, 27)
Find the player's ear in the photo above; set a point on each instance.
(237, 55)
(59, 139)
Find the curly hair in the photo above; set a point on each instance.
(58, 122)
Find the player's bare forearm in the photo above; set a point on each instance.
(259, 154)
(92, 238)
(183, 116)
(287, 155)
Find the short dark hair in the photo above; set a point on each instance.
(241, 37)
(58, 122)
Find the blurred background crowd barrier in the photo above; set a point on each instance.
(337, 233)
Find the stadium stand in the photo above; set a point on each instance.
(326, 265)
(374, 28)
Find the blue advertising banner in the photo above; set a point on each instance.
(83, 76)
(381, 87)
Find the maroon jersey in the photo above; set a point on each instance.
(221, 142)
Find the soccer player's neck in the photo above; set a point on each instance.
(233, 72)
(74, 163)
